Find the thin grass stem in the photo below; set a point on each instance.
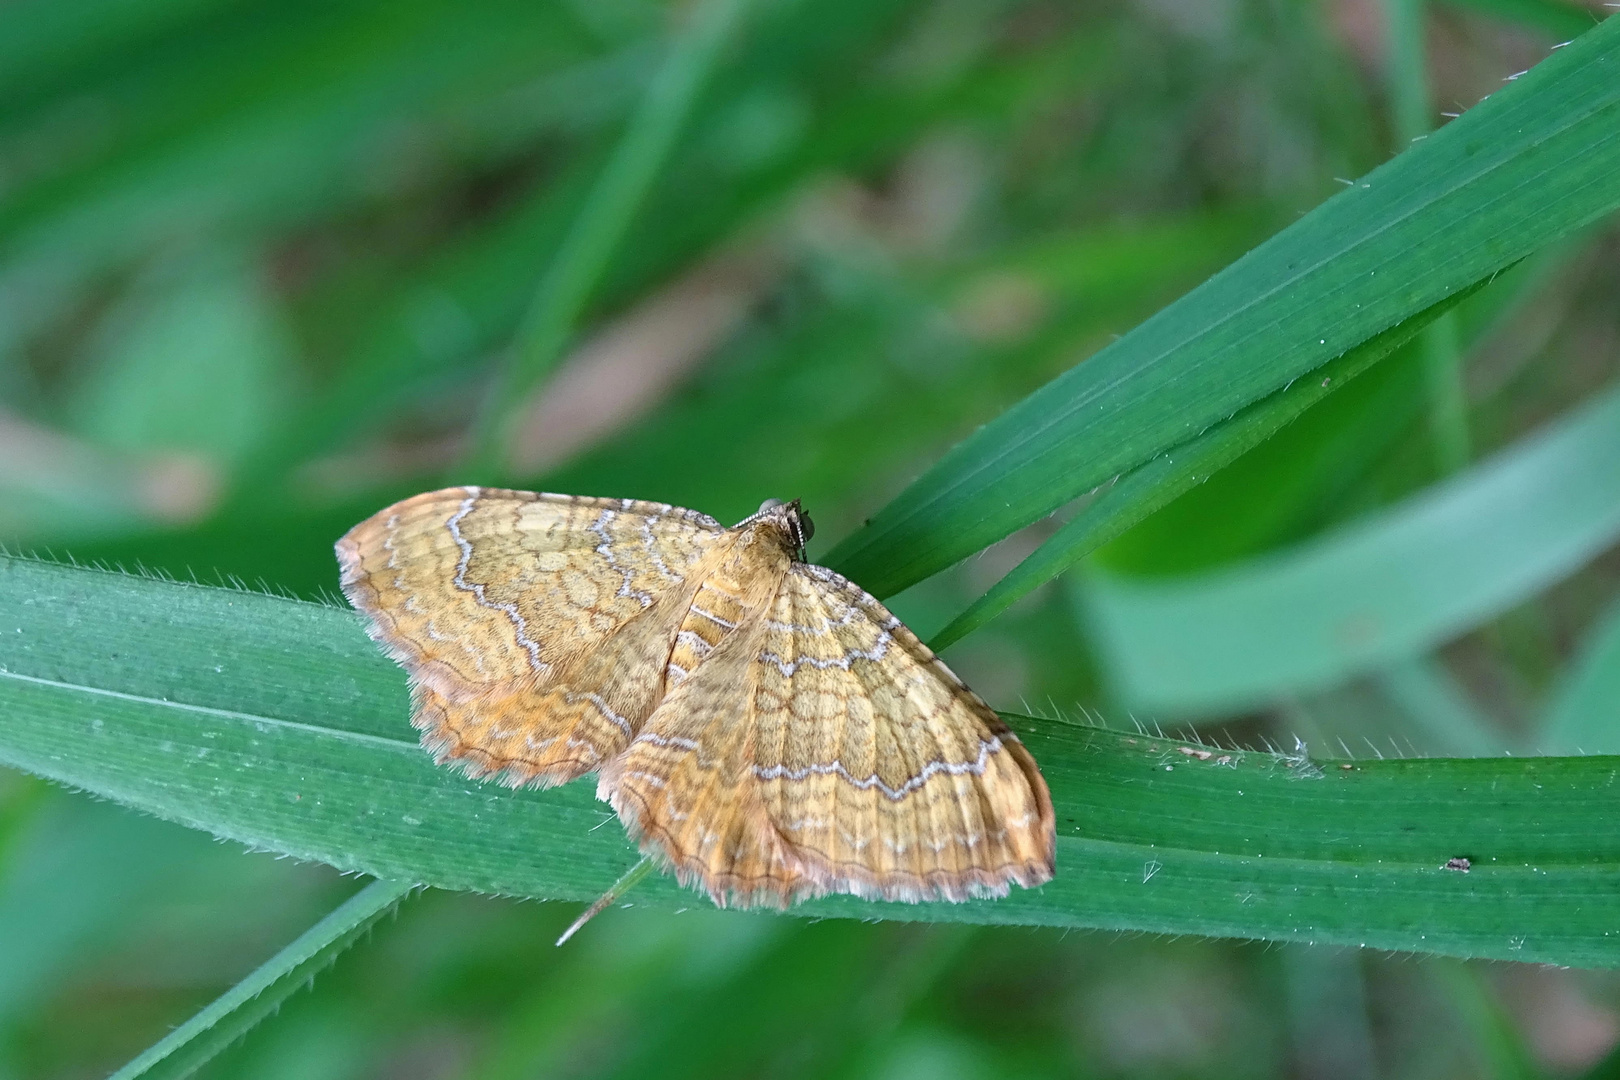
(595, 235)
(1412, 115)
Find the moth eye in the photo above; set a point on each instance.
(807, 528)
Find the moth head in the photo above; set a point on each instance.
(790, 520)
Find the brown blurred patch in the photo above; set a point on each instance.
(633, 363)
(618, 374)
(928, 201)
(1566, 1029)
(1001, 307)
(624, 369)
(1359, 25)
(167, 488)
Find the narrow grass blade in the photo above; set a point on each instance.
(278, 724)
(603, 220)
(1406, 22)
(1383, 589)
(1326, 998)
(1584, 714)
(1448, 398)
(1497, 1042)
(1404, 25)
(188, 1047)
(1534, 162)
(270, 153)
(1158, 482)
(1558, 17)
(1438, 707)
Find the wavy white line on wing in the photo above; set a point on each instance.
(975, 767)
(519, 626)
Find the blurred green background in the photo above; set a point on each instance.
(259, 261)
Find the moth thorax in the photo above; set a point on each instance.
(790, 518)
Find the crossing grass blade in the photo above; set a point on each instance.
(191, 1045)
(1584, 714)
(277, 724)
(1551, 16)
(1153, 485)
(1386, 588)
(1534, 162)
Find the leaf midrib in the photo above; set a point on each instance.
(342, 734)
(411, 749)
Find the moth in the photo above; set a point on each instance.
(762, 727)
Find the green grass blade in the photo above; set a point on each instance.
(1328, 1023)
(1537, 160)
(1448, 398)
(607, 214)
(248, 122)
(1584, 714)
(190, 1046)
(1404, 25)
(1154, 485)
(1439, 707)
(1553, 16)
(1497, 1042)
(1377, 591)
(277, 724)
(1413, 107)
